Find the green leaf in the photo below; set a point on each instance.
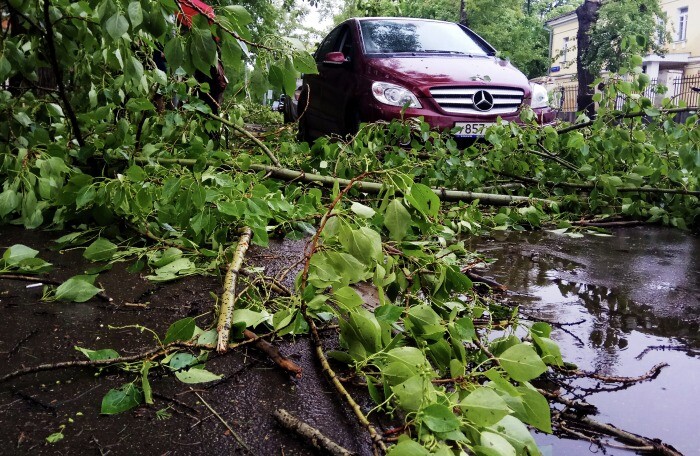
(202, 48)
(55, 437)
(5, 68)
(100, 250)
(94, 355)
(517, 434)
(305, 63)
(408, 447)
(116, 26)
(121, 400)
(536, 407)
(145, 384)
(239, 14)
(484, 407)
(9, 201)
(397, 220)
(16, 253)
(135, 13)
(77, 289)
(22, 118)
(347, 298)
(415, 392)
(181, 360)
(196, 376)
(388, 313)
(522, 363)
(208, 337)
(251, 318)
(496, 443)
(181, 330)
(174, 53)
(423, 199)
(439, 418)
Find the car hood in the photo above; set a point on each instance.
(420, 73)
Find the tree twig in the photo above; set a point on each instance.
(274, 353)
(223, 421)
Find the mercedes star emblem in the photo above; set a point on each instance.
(483, 101)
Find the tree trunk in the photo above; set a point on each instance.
(463, 13)
(587, 15)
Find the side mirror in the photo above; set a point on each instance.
(334, 58)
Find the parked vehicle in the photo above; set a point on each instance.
(372, 69)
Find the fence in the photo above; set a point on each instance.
(563, 97)
(683, 88)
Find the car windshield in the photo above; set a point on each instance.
(402, 36)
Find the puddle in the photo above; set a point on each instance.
(624, 294)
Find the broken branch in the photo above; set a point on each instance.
(229, 297)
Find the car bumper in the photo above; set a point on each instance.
(440, 121)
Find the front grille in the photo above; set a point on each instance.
(460, 100)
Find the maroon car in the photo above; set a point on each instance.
(371, 69)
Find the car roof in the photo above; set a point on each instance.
(398, 18)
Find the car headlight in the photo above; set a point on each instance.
(394, 95)
(540, 98)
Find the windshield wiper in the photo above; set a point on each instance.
(438, 51)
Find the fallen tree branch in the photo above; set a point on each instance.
(586, 424)
(364, 186)
(228, 299)
(246, 133)
(311, 434)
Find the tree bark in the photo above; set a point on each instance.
(463, 13)
(587, 15)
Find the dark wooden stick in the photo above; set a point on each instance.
(273, 353)
(311, 434)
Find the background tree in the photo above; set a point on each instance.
(642, 22)
(612, 31)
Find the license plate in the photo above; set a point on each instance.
(472, 129)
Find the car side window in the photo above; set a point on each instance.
(328, 45)
(345, 45)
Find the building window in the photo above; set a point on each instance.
(682, 23)
(565, 49)
(660, 31)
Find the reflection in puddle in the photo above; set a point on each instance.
(622, 295)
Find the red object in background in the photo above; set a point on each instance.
(191, 8)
